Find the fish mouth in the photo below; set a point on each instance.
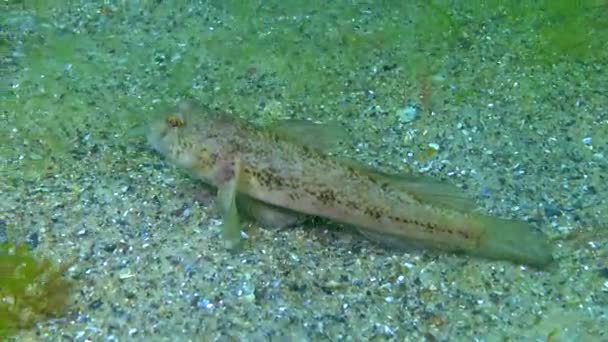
(155, 136)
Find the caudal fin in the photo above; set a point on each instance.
(515, 241)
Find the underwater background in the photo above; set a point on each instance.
(506, 99)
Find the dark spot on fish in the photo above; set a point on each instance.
(352, 204)
(373, 212)
(352, 171)
(326, 196)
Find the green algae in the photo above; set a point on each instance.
(31, 289)
(308, 48)
(541, 32)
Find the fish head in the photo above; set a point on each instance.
(184, 135)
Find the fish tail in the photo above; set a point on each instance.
(513, 240)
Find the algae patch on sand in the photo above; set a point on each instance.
(31, 289)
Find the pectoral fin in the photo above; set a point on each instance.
(226, 200)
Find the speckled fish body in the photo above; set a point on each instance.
(242, 159)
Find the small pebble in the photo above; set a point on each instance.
(434, 146)
(3, 236)
(125, 275)
(552, 211)
(485, 192)
(33, 240)
(96, 304)
(407, 114)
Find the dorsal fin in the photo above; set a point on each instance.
(423, 188)
(324, 137)
(432, 191)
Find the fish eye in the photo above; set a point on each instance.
(175, 120)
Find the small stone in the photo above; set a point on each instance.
(96, 304)
(552, 211)
(434, 146)
(110, 247)
(3, 236)
(407, 114)
(485, 192)
(205, 304)
(125, 275)
(33, 240)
